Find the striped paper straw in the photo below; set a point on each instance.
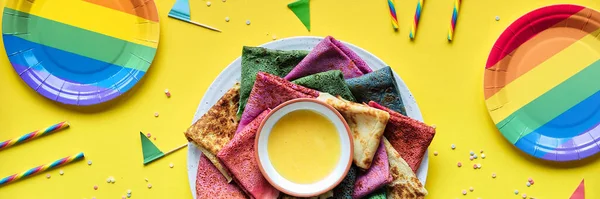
(453, 20)
(413, 28)
(41, 168)
(393, 14)
(33, 135)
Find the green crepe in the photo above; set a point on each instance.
(331, 82)
(345, 189)
(379, 194)
(258, 59)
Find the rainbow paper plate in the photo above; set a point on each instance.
(542, 83)
(80, 52)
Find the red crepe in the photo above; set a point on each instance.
(330, 54)
(408, 136)
(268, 92)
(211, 184)
(238, 156)
(377, 176)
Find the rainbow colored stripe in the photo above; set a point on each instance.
(413, 29)
(541, 84)
(455, 10)
(33, 135)
(393, 14)
(41, 168)
(88, 59)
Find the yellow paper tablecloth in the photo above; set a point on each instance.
(446, 80)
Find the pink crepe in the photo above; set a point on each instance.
(377, 176)
(239, 157)
(408, 136)
(270, 91)
(330, 54)
(211, 184)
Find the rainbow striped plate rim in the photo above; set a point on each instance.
(541, 83)
(80, 52)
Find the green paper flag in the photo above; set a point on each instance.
(150, 151)
(302, 10)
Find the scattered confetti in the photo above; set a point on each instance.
(478, 165)
(61, 172)
(93, 197)
(471, 189)
(453, 146)
(95, 187)
(524, 195)
(107, 180)
(464, 192)
(89, 162)
(128, 195)
(149, 186)
(528, 184)
(497, 18)
(274, 37)
(472, 153)
(531, 182)
(482, 156)
(48, 176)
(475, 156)
(435, 153)
(208, 3)
(481, 151)
(493, 175)
(516, 192)
(434, 126)
(148, 135)
(227, 19)
(154, 138)
(171, 165)
(146, 179)
(224, 0)
(459, 164)
(128, 191)
(471, 158)
(475, 166)
(123, 197)
(167, 92)
(247, 22)
(155, 114)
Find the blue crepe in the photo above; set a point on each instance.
(378, 86)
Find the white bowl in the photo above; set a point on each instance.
(285, 185)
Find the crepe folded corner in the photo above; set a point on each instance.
(268, 92)
(366, 123)
(405, 184)
(330, 54)
(239, 157)
(375, 177)
(331, 82)
(379, 86)
(345, 189)
(259, 59)
(216, 127)
(211, 184)
(408, 136)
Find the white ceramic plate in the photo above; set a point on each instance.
(232, 74)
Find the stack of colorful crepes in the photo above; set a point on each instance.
(380, 168)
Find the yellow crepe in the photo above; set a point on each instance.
(405, 185)
(215, 128)
(366, 123)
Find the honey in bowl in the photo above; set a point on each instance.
(304, 146)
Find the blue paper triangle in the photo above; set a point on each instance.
(181, 10)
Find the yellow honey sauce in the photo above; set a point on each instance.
(304, 146)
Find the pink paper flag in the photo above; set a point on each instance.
(239, 157)
(579, 192)
(377, 176)
(269, 91)
(330, 54)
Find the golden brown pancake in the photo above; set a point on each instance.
(215, 128)
(405, 184)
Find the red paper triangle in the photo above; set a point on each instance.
(579, 192)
